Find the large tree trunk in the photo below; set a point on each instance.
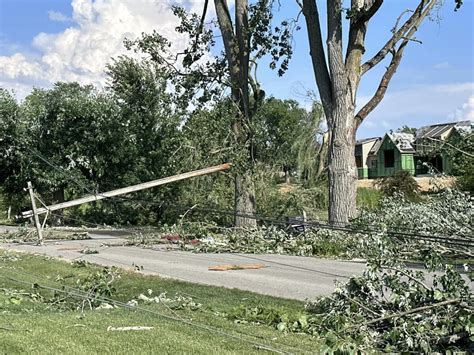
(322, 155)
(57, 217)
(244, 198)
(245, 201)
(338, 74)
(236, 45)
(342, 171)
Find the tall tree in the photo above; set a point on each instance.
(338, 73)
(286, 136)
(247, 36)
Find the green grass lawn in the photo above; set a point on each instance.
(28, 325)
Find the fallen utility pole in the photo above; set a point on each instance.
(123, 191)
(35, 213)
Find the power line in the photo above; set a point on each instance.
(345, 227)
(80, 294)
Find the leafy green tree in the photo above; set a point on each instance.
(279, 125)
(246, 37)
(407, 129)
(12, 159)
(147, 116)
(311, 145)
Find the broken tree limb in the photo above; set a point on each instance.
(411, 311)
(127, 190)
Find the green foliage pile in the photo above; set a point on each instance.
(280, 203)
(273, 240)
(368, 198)
(400, 182)
(392, 308)
(449, 212)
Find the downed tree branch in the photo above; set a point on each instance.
(406, 274)
(411, 311)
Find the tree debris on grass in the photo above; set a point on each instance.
(124, 329)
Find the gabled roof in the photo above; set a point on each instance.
(435, 131)
(375, 147)
(366, 140)
(403, 142)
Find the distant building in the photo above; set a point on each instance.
(364, 156)
(378, 157)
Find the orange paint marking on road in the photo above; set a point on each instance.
(228, 267)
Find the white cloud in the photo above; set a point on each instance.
(465, 112)
(58, 16)
(81, 52)
(420, 105)
(442, 65)
(18, 65)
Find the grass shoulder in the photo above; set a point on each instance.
(36, 323)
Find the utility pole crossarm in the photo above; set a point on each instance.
(126, 190)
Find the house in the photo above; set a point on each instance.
(428, 141)
(394, 153)
(364, 156)
(378, 157)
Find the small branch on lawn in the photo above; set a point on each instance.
(411, 311)
(404, 273)
(360, 305)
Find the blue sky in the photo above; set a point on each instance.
(42, 41)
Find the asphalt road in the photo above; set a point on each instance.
(284, 276)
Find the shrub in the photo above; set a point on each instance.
(368, 198)
(400, 182)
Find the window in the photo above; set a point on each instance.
(359, 161)
(389, 158)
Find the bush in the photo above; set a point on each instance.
(368, 198)
(400, 182)
(277, 203)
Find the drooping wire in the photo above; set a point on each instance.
(81, 294)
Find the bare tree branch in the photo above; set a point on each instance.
(243, 40)
(321, 72)
(355, 49)
(365, 16)
(334, 45)
(392, 68)
(201, 25)
(423, 9)
(382, 88)
(228, 36)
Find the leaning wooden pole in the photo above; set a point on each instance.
(126, 190)
(35, 213)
